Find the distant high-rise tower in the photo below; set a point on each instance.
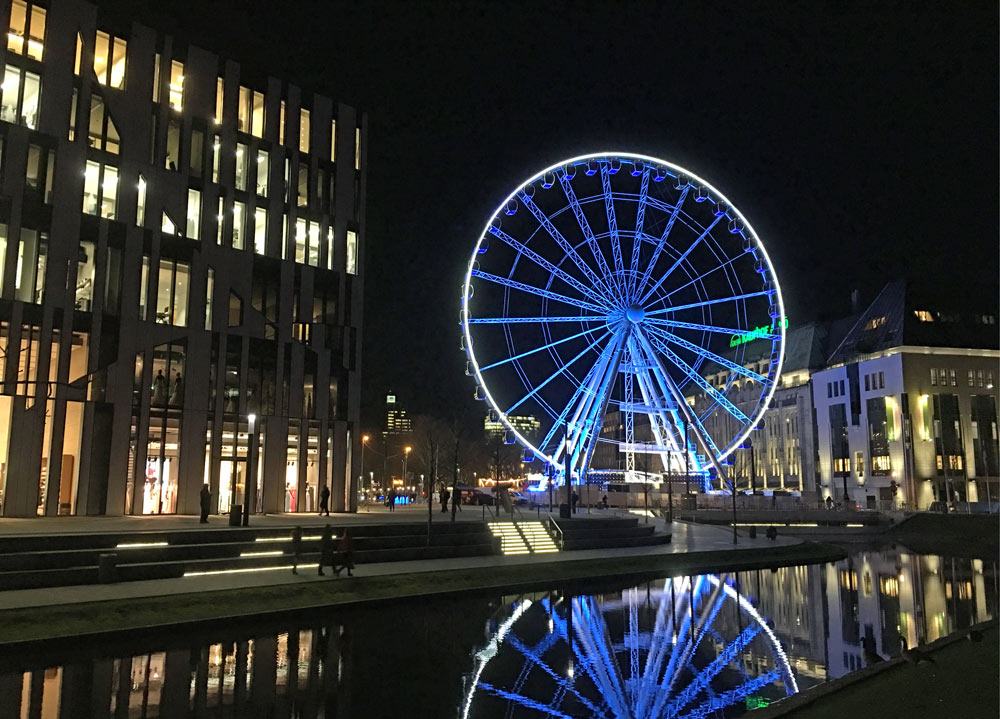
(396, 420)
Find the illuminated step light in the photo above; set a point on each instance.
(287, 539)
(140, 545)
(250, 569)
(854, 525)
(261, 554)
(778, 524)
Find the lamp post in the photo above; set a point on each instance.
(406, 453)
(250, 496)
(361, 477)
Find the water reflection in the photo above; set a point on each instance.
(674, 647)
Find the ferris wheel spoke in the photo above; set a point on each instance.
(711, 328)
(557, 373)
(527, 702)
(579, 430)
(599, 406)
(588, 234)
(710, 610)
(711, 356)
(728, 698)
(616, 247)
(545, 264)
(534, 657)
(531, 320)
(536, 350)
(698, 379)
(640, 219)
(564, 245)
(677, 263)
(592, 632)
(531, 289)
(705, 303)
(662, 242)
(703, 275)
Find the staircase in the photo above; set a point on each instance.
(606, 533)
(537, 537)
(511, 541)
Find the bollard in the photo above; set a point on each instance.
(107, 568)
(753, 533)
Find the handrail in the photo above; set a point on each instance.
(561, 541)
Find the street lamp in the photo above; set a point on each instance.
(364, 443)
(406, 454)
(250, 496)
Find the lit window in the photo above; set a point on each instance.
(109, 60)
(239, 213)
(281, 124)
(952, 379)
(19, 97)
(923, 315)
(303, 131)
(333, 141)
(27, 30)
(219, 87)
(32, 253)
(156, 77)
(173, 145)
(216, 157)
(243, 111)
(100, 189)
(329, 248)
(979, 378)
(241, 166)
(176, 85)
(259, 230)
(219, 222)
(172, 293)
(209, 296)
(257, 115)
(167, 225)
(79, 54)
(972, 378)
(300, 240)
(934, 376)
(193, 213)
(357, 148)
(314, 244)
(352, 252)
(875, 322)
(73, 100)
(102, 133)
(263, 167)
(140, 202)
(3, 257)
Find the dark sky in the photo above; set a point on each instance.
(859, 138)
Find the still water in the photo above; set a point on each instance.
(689, 646)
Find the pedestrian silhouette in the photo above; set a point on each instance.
(345, 555)
(324, 501)
(445, 495)
(326, 548)
(206, 503)
(297, 549)
(392, 500)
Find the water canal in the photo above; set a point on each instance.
(689, 646)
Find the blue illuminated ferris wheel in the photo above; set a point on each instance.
(613, 286)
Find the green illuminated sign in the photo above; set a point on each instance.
(757, 702)
(756, 333)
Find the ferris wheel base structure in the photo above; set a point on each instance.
(600, 296)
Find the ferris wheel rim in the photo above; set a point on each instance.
(693, 179)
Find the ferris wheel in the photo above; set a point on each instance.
(616, 286)
(688, 647)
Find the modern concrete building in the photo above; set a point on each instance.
(906, 410)
(181, 246)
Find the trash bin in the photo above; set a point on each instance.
(235, 515)
(564, 512)
(107, 568)
(753, 533)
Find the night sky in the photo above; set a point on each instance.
(859, 138)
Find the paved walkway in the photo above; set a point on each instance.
(687, 538)
(173, 522)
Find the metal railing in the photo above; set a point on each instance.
(557, 534)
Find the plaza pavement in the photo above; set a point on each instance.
(687, 539)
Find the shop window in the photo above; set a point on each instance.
(303, 131)
(19, 97)
(176, 85)
(172, 293)
(100, 189)
(193, 214)
(239, 220)
(241, 166)
(333, 141)
(259, 230)
(26, 35)
(109, 60)
(102, 133)
(219, 88)
(32, 253)
(263, 167)
(352, 252)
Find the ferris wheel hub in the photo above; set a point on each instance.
(635, 314)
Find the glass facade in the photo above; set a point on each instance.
(209, 345)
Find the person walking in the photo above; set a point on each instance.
(445, 496)
(326, 548)
(345, 555)
(392, 500)
(206, 503)
(324, 501)
(574, 498)
(297, 550)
